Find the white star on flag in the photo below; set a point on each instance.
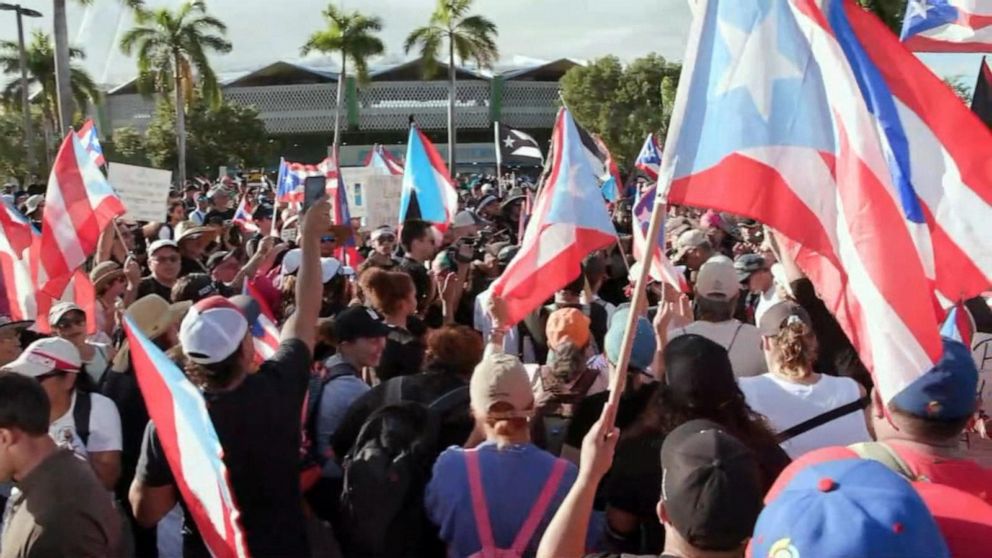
(918, 9)
(508, 142)
(756, 50)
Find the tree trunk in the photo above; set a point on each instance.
(62, 66)
(337, 109)
(180, 126)
(452, 95)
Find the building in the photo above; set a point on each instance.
(297, 104)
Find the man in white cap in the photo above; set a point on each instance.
(164, 262)
(717, 290)
(10, 338)
(256, 415)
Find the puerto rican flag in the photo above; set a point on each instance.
(810, 116)
(341, 216)
(289, 184)
(661, 268)
(569, 222)
(383, 161)
(649, 159)
(948, 25)
(91, 142)
(79, 205)
(264, 332)
(428, 193)
(191, 445)
(243, 217)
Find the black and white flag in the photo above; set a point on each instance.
(514, 145)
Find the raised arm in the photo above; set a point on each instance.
(302, 324)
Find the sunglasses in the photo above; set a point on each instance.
(167, 259)
(386, 238)
(328, 239)
(70, 322)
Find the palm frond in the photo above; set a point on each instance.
(137, 35)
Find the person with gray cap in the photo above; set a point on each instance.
(756, 280)
(34, 209)
(693, 249)
(792, 393)
(717, 291)
(506, 473)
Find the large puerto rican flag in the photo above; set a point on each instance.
(569, 222)
(428, 193)
(191, 445)
(79, 204)
(810, 116)
(948, 25)
(91, 142)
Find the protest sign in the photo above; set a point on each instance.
(356, 180)
(382, 200)
(144, 191)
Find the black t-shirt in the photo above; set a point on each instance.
(402, 356)
(421, 279)
(149, 285)
(587, 412)
(425, 388)
(258, 424)
(189, 266)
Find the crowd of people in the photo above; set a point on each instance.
(403, 416)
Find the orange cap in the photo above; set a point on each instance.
(567, 324)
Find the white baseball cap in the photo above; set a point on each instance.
(291, 261)
(159, 244)
(329, 267)
(60, 309)
(45, 356)
(717, 278)
(212, 330)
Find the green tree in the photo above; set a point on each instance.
(891, 12)
(126, 145)
(469, 37)
(226, 134)
(622, 104)
(13, 164)
(352, 35)
(41, 73)
(172, 51)
(960, 88)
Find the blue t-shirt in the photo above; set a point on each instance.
(512, 479)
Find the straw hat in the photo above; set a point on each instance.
(153, 315)
(105, 272)
(188, 230)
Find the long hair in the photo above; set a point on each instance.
(794, 349)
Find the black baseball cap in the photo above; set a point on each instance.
(263, 211)
(217, 258)
(358, 322)
(698, 373)
(194, 287)
(711, 486)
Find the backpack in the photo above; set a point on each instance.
(480, 511)
(386, 471)
(557, 406)
(314, 395)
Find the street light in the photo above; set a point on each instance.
(22, 12)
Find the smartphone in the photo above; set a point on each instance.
(314, 188)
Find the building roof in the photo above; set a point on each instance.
(282, 73)
(414, 70)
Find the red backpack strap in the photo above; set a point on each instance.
(539, 508)
(483, 527)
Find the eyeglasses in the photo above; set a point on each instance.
(386, 238)
(166, 259)
(70, 322)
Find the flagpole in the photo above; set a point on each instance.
(499, 160)
(619, 378)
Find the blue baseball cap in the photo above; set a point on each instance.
(849, 507)
(645, 343)
(948, 391)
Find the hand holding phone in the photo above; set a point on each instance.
(314, 188)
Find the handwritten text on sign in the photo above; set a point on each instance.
(144, 191)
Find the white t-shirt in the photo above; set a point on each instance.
(742, 341)
(97, 366)
(787, 404)
(767, 299)
(105, 428)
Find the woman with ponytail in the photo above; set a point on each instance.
(792, 394)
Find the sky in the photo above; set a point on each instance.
(266, 31)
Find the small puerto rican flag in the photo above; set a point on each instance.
(91, 142)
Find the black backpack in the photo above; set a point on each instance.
(314, 395)
(81, 415)
(386, 471)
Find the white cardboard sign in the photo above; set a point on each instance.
(144, 191)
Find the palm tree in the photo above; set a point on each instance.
(170, 46)
(353, 35)
(468, 37)
(63, 78)
(41, 72)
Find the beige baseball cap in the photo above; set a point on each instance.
(501, 378)
(717, 279)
